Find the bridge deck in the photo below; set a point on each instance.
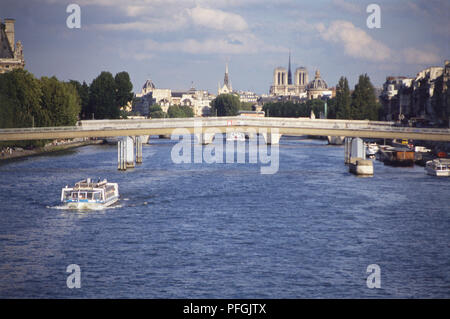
(287, 126)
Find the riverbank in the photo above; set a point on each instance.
(13, 153)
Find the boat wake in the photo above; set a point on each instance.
(63, 207)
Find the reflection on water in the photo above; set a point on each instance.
(224, 230)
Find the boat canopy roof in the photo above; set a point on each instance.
(88, 183)
(442, 160)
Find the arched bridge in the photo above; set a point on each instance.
(272, 126)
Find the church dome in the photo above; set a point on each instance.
(148, 85)
(317, 83)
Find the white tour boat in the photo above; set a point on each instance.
(438, 167)
(87, 194)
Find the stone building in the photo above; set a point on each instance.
(396, 97)
(151, 95)
(11, 53)
(198, 100)
(247, 96)
(423, 90)
(422, 98)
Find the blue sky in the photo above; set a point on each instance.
(177, 42)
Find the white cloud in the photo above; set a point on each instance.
(217, 19)
(149, 25)
(236, 43)
(416, 56)
(356, 42)
(173, 20)
(214, 31)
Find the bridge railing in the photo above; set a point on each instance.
(38, 129)
(236, 121)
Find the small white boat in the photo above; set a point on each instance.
(438, 167)
(371, 149)
(87, 194)
(235, 136)
(421, 149)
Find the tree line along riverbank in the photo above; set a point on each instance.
(26, 101)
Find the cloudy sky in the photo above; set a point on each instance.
(179, 42)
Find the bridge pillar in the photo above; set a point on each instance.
(122, 154)
(358, 148)
(125, 153)
(272, 138)
(130, 151)
(354, 148)
(145, 139)
(205, 138)
(138, 149)
(347, 149)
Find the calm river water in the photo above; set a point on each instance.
(224, 230)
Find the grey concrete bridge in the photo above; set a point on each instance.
(273, 127)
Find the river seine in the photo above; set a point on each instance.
(224, 230)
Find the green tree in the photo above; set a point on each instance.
(20, 100)
(84, 99)
(6, 109)
(246, 106)
(225, 105)
(60, 102)
(316, 105)
(176, 111)
(283, 109)
(331, 108)
(343, 99)
(83, 93)
(155, 111)
(187, 111)
(102, 97)
(124, 88)
(364, 104)
(26, 101)
(291, 109)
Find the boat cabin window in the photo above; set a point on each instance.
(74, 195)
(67, 195)
(97, 196)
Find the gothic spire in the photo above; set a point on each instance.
(289, 70)
(225, 79)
